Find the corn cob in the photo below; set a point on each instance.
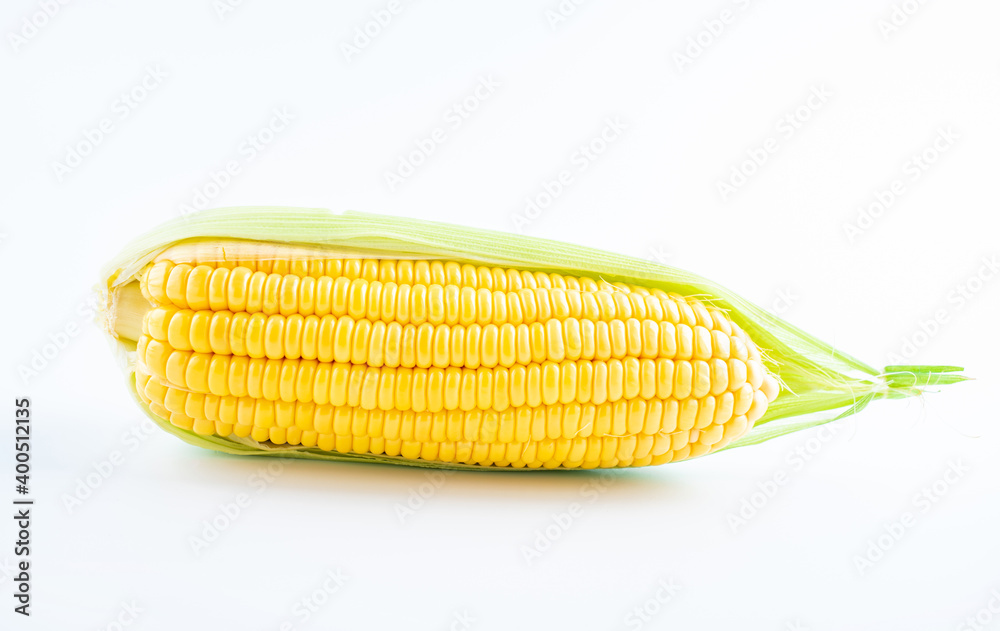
(438, 360)
(321, 349)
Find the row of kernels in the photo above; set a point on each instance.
(622, 418)
(240, 289)
(486, 439)
(546, 383)
(362, 341)
(384, 270)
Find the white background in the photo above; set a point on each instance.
(780, 239)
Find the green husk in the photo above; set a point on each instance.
(820, 383)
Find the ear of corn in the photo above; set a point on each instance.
(311, 334)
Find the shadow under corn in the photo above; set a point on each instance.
(326, 478)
